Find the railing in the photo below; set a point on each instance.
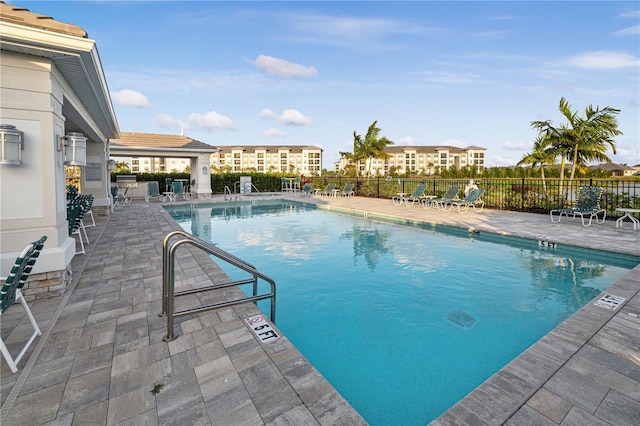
(241, 187)
(532, 195)
(227, 191)
(168, 281)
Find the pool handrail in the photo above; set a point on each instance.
(168, 281)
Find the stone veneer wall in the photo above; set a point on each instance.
(47, 284)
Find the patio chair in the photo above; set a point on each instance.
(416, 195)
(471, 200)
(153, 191)
(122, 198)
(587, 204)
(88, 200)
(307, 190)
(11, 291)
(178, 191)
(75, 214)
(284, 183)
(329, 189)
(347, 191)
(192, 189)
(114, 194)
(441, 203)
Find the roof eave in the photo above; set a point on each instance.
(85, 61)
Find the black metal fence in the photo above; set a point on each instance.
(532, 195)
(517, 194)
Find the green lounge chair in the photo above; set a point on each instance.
(347, 191)
(329, 189)
(88, 200)
(441, 203)
(191, 189)
(471, 200)
(587, 204)
(178, 191)
(11, 291)
(416, 195)
(76, 212)
(153, 191)
(307, 190)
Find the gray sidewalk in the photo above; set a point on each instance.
(102, 353)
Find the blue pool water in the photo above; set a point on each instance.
(403, 321)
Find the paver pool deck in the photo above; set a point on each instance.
(101, 353)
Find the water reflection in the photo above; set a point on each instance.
(368, 243)
(563, 279)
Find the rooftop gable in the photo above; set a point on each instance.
(22, 16)
(159, 141)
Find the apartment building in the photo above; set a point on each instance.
(420, 159)
(299, 159)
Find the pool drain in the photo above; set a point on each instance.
(462, 319)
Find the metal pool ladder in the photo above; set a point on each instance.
(169, 292)
(227, 191)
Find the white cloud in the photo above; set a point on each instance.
(408, 140)
(267, 113)
(500, 161)
(602, 60)
(168, 121)
(272, 133)
(632, 14)
(283, 68)
(128, 97)
(635, 30)
(293, 117)
(289, 117)
(210, 122)
(453, 142)
(351, 32)
(447, 77)
(516, 146)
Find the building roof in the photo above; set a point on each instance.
(158, 142)
(22, 16)
(612, 167)
(76, 57)
(268, 148)
(398, 149)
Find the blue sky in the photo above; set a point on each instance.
(311, 73)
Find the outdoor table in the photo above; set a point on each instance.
(401, 197)
(628, 213)
(428, 199)
(168, 194)
(335, 192)
(291, 184)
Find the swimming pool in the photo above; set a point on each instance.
(403, 321)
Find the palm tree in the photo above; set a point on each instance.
(372, 146)
(540, 156)
(582, 139)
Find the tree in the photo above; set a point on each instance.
(372, 146)
(582, 139)
(122, 167)
(540, 156)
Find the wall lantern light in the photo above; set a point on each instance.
(75, 149)
(111, 165)
(12, 144)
